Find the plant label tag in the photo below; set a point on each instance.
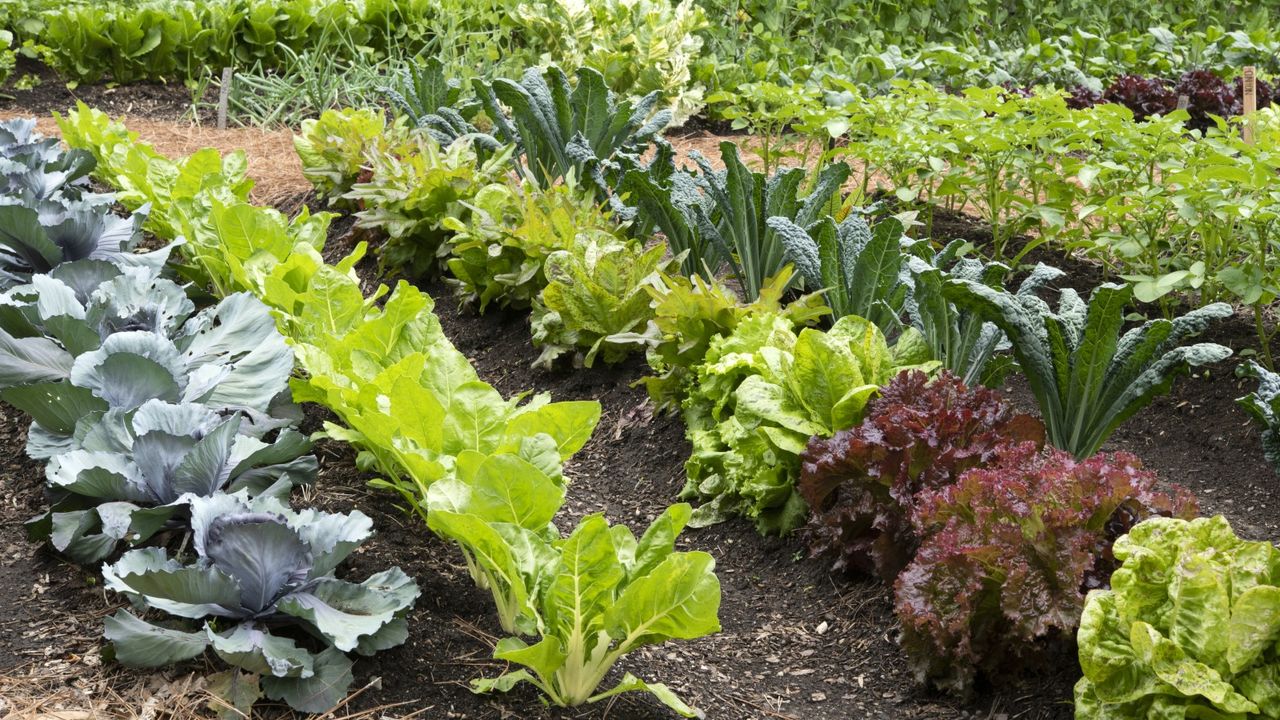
(1183, 102)
(1249, 79)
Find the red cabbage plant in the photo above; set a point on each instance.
(862, 484)
(1143, 95)
(1009, 553)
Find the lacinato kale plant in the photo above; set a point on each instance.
(965, 342)
(1087, 376)
(559, 128)
(1009, 553)
(1263, 405)
(722, 217)
(422, 89)
(863, 483)
(858, 268)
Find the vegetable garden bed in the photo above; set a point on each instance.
(797, 641)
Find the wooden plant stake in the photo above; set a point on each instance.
(1250, 76)
(223, 91)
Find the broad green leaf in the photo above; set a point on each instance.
(255, 650)
(318, 692)
(233, 694)
(631, 683)
(140, 644)
(582, 587)
(680, 598)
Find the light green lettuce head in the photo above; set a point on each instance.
(1189, 628)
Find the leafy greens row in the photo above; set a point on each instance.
(423, 420)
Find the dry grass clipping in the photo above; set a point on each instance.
(273, 163)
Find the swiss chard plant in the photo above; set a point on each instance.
(918, 436)
(132, 472)
(412, 403)
(964, 342)
(1189, 628)
(1009, 553)
(177, 192)
(261, 593)
(858, 268)
(585, 600)
(761, 393)
(91, 337)
(1087, 376)
(1263, 405)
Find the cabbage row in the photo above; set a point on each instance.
(483, 471)
(165, 425)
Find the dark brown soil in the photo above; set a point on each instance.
(146, 100)
(796, 641)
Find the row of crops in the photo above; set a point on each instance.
(700, 53)
(152, 419)
(833, 373)
(837, 362)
